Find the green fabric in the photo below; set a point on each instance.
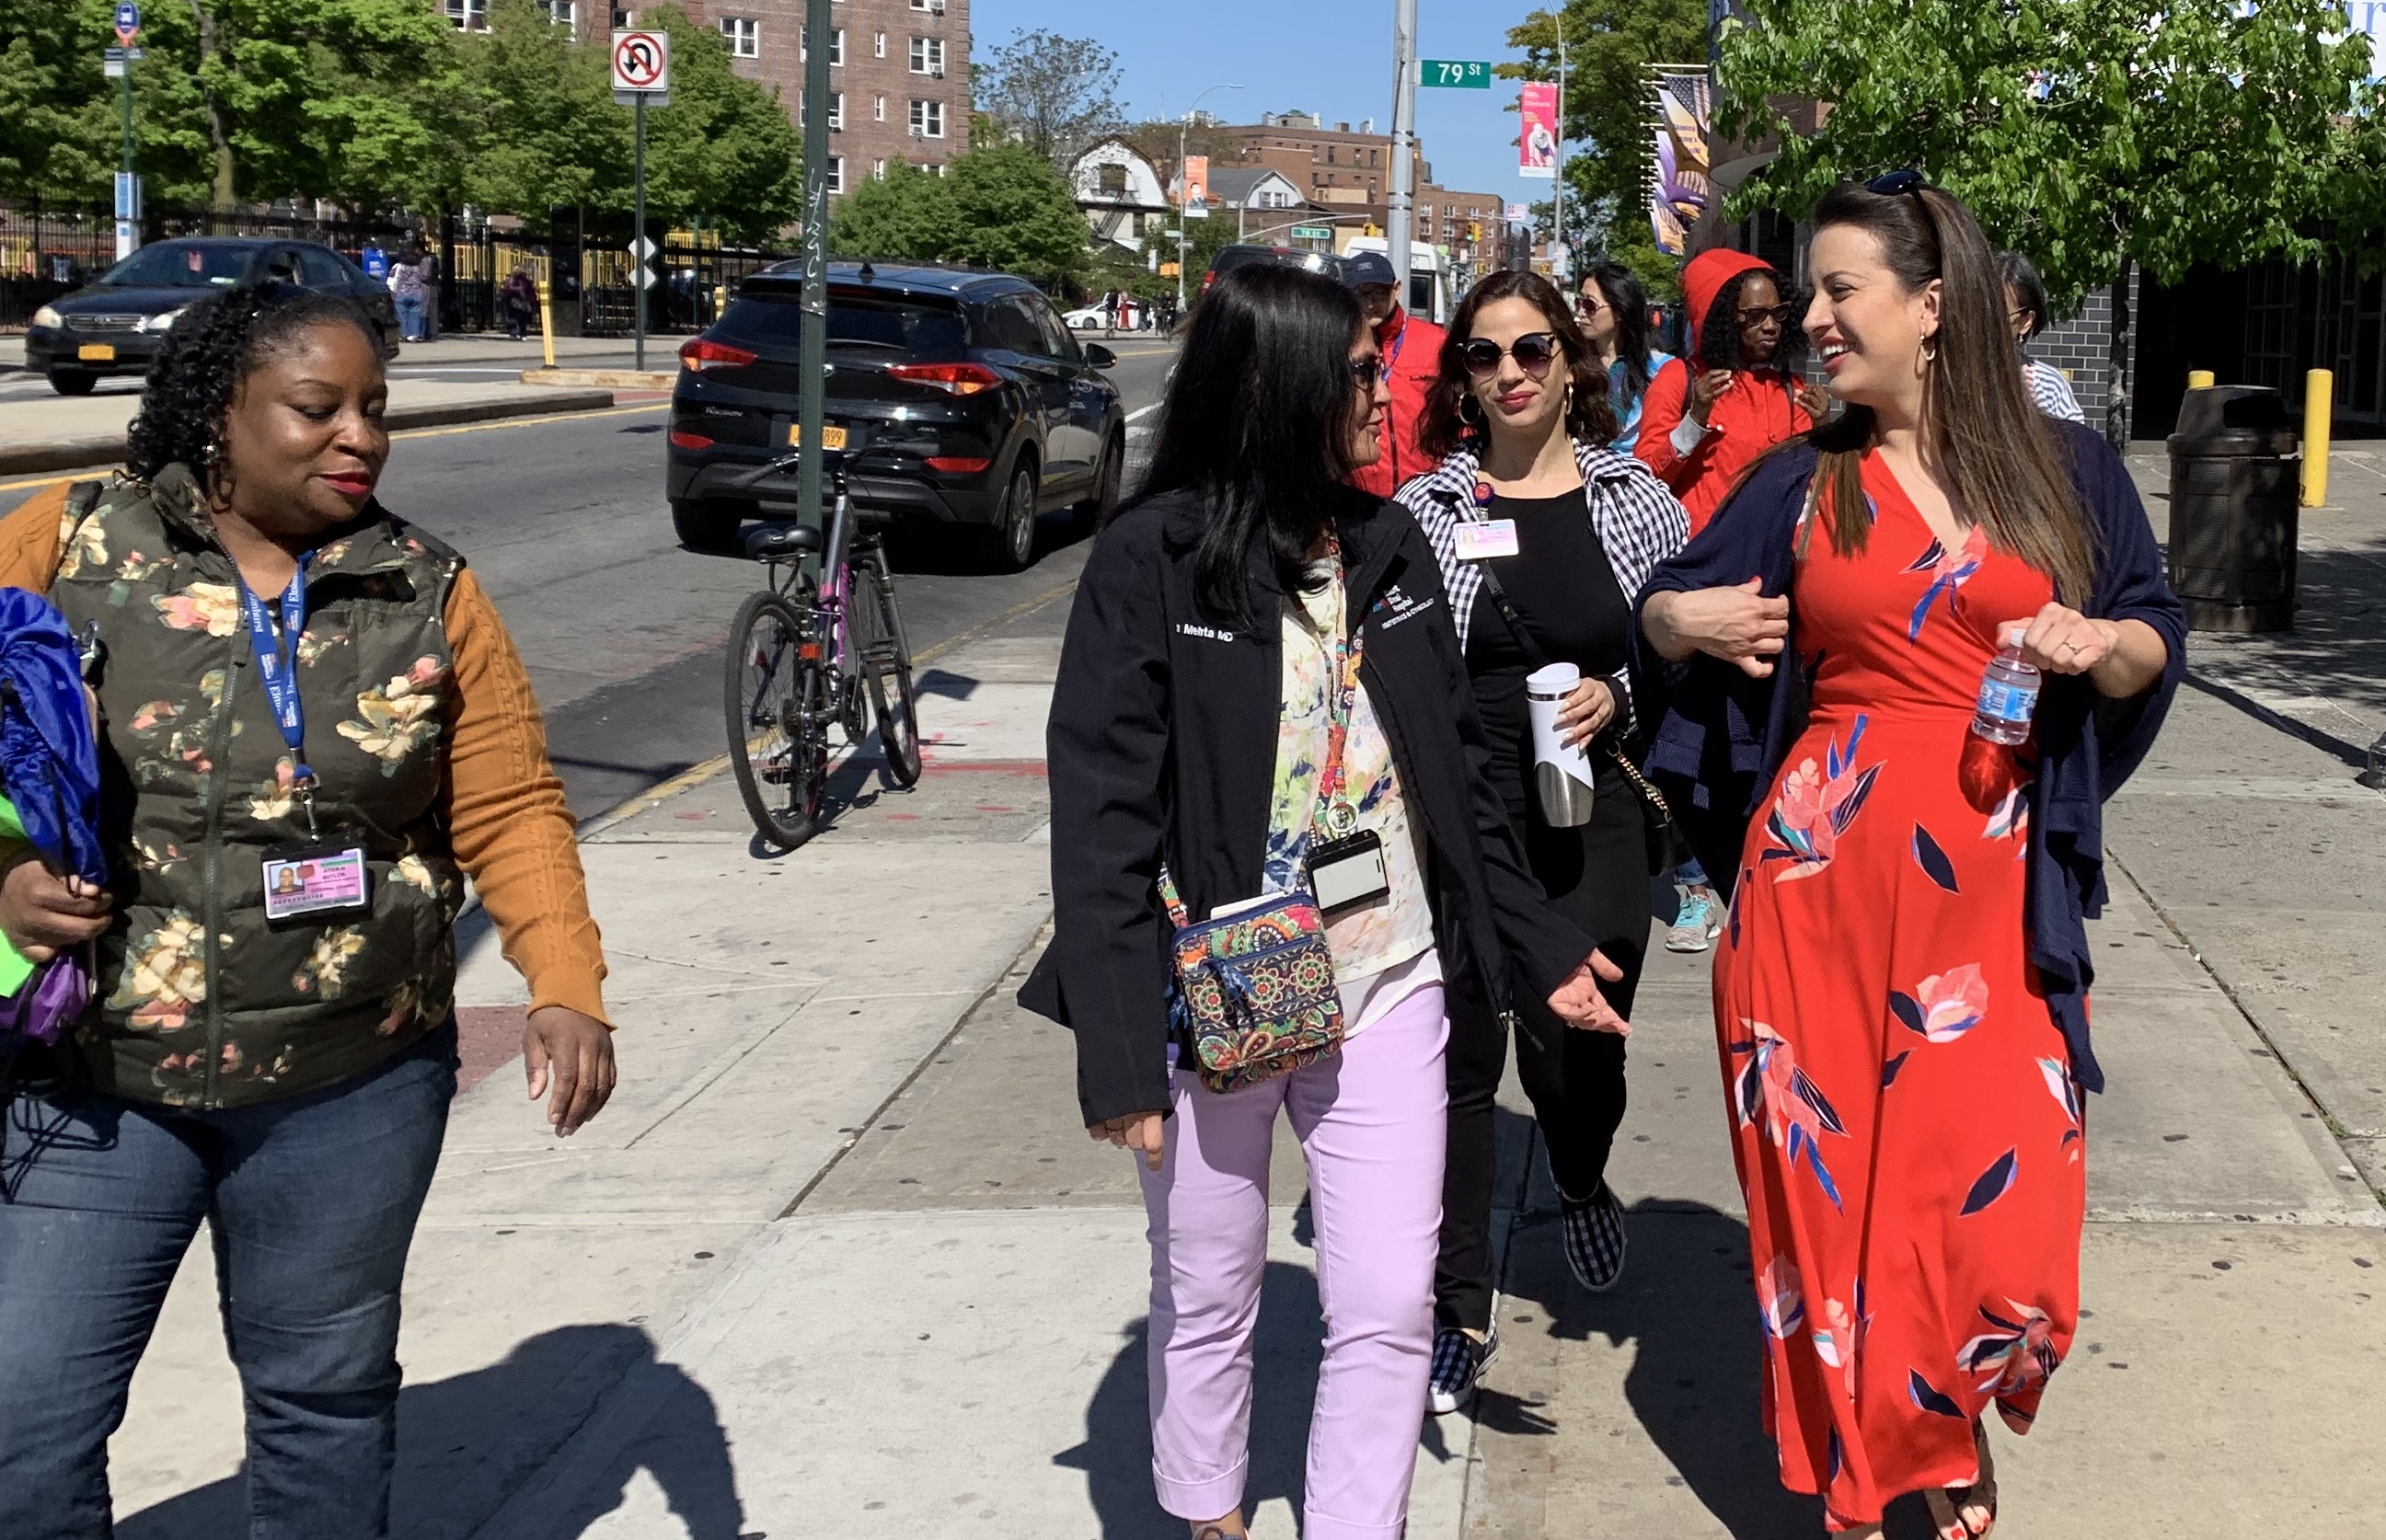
(15, 967)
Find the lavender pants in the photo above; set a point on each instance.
(1372, 1121)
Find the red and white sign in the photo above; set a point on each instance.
(1537, 145)
(642, 61)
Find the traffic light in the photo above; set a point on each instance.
(1474, 229)
(1369, 229)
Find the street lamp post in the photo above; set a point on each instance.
(1184, 142)
(1560, 266)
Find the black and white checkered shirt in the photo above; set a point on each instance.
(1638, 522)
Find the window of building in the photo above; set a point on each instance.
(927, 55)
(744, 35)
(563, 13)
(881, 45)
(1111, 179)
(471, 16)
(836, 49)
(1329, 154)
(935, 7)
(878, 171)
(836, 173)
(928, 119)
(835, 109)
(623, 18)
(878, 109)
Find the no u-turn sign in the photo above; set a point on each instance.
(641, 62)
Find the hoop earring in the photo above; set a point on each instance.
(1930, 349)
(1464, 398)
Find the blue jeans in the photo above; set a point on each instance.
(311, 1202)
(409, 317)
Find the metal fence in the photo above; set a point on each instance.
(50, 249)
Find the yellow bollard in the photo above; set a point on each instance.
(2319, 396)
(720, 299)
(547, 321)
(2199, 380)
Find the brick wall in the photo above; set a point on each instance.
(2081, 346)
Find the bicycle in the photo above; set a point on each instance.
(806, 655)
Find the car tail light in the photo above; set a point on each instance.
(963, 464)
(954, 379)
(698, 353)
(682, 439)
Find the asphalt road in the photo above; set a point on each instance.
(622, 630)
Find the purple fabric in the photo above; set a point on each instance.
(55, 996)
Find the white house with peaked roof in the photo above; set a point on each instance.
(1120, 193)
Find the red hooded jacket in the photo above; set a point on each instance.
(1412, 349)
(1759, 410)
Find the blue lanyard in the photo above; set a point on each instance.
(277, 666)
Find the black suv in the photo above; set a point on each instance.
(1231, 257)
(957, 398)
(115, 324)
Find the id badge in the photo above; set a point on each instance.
(1478, 540)
(1348, 872)
(308, 881)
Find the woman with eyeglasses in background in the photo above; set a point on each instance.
(1544, 534)
(2025, 313)
(1900, 996)
(1713, 415)
(1613, 310)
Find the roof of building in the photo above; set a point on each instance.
(1234, 183)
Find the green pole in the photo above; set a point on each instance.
(812, 396)
(637, 262)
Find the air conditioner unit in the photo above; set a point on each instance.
(917, 133)
(935, 8)
(937, 72)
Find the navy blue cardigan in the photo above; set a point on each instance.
(1724, 735)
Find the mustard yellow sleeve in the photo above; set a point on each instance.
(30, 539)
(506, 818)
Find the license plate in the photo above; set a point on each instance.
(832, 436)
(96, 353)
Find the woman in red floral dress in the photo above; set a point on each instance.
(1900, 999)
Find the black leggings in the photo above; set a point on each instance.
(1598, 876)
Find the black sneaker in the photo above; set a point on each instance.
(1594, 1238)
(1458, 1362)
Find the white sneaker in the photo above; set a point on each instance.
(1697, 923)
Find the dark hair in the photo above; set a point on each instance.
(1442, 422)
(2021, 276)
(2003, 462)
(214, 346)
(1619, 286)
(1257, 425)
(1718, 340)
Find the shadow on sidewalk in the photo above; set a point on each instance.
(1116, 1455)
(466, 1443)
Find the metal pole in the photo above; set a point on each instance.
(1399, 221)
(638, 219)
(1562, 269)
(1184, 128)
(811, 411)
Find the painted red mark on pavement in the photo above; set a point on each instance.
(487, 1039)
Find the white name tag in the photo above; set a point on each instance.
(1492, 537)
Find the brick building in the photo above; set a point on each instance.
(898, 69)
(1347, 173)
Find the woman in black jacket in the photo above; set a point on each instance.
(1245, 621)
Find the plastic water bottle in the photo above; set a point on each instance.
(2008, 693)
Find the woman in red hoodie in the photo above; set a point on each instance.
(1708, 417)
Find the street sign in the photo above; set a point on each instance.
(644, 248)
(642, 98)
(128, 195)
(1461, 74)
(128, 22)
(1520, 213)
(646, 276)
(1312, 233)
(642, 61)
(111, 60)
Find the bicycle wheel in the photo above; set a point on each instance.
(887, 665)
(778, 700)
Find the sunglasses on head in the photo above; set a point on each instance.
(1890, 183)
(1533, 352)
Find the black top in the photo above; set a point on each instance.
(1562, 584)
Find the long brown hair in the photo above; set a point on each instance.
(1441, 424)
(2001, 458)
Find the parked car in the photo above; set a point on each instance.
(113, 325)
(958, 399)
(1231, 257)
(1089, 318)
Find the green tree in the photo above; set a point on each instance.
(906, 216)
(2097, 135)
(725, 148)
(1055, 95)
(546, 132)
(50, 143)
(1013, 212)
(1610, 45)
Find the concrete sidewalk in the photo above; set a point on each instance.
(840, 1260)
(453, 347)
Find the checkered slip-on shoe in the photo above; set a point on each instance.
(1594, 1238)
(1458, 1362)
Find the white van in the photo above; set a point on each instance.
(1430, 287)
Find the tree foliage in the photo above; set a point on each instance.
(1000, 207)
(1054, 94)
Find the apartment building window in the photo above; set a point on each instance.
(623, 18)
(744, 35)
(928, 119)
(835, 109)
(1111, 179)
(563, 13)
(836, 173)
(927, 55)
(878, 171)
(836, 49)
(471, 16)
(878, 110)
(881, 45)
(935, 7)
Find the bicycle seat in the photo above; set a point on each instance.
(783, 540)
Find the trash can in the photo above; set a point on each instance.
(2234, 479)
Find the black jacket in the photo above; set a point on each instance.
(1164, 738)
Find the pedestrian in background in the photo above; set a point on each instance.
(313, 728)
(1412, 353)
(1901, 997)
(2026, 312)
(406, 289)
(1260, 653)
(521, 297)
(1711, 416)
(427, 260)
(1613, 311)
(1544, 533)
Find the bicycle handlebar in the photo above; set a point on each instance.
(793, 460)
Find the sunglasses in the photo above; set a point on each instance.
(1890, 183)
(1757, 315)
(1533, 352)
(1367, 371)
(1586, 308)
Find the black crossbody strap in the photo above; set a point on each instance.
(1533, 653)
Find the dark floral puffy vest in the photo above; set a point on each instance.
(199, 1002)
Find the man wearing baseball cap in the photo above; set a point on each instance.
(1412, 354)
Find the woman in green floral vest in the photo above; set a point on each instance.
(312, 728)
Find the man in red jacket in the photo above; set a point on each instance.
(1412, 352)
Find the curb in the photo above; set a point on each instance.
(617, 378)
(100, 452)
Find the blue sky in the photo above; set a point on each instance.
(1333, 58)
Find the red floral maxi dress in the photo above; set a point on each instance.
(1903, 1116)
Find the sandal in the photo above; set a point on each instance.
(1951, 1507)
